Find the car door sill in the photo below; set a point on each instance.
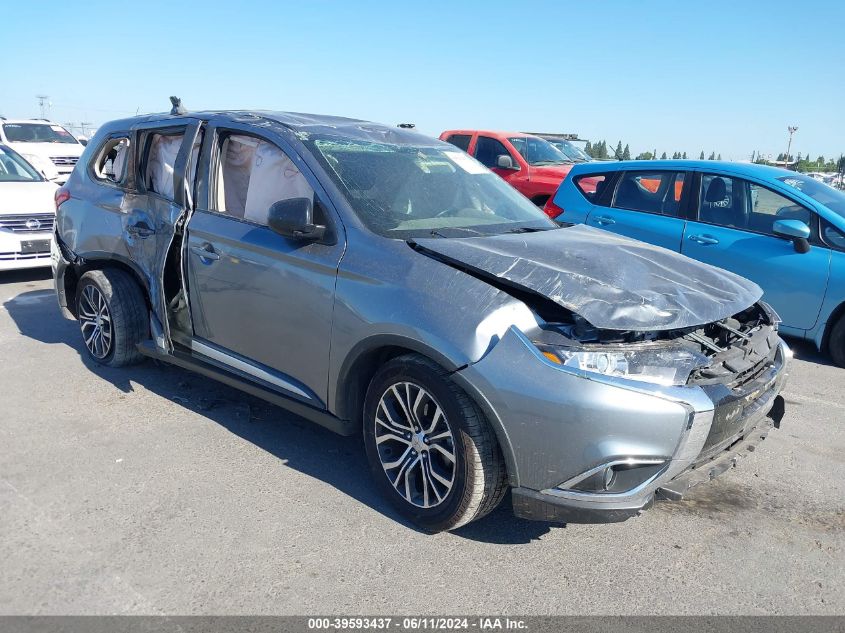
(246, 382)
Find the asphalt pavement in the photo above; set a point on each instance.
(152, 490)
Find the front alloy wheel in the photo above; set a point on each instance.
(430, 448)
(415, 444)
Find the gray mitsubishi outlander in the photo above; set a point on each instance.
(377, 281)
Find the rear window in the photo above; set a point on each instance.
(590, 185)
(460, 140)
(37, 133)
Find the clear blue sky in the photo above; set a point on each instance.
(684, 75)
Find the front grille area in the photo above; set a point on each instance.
(31, 223)
(64, 160)
(21, 257)
(739, 348)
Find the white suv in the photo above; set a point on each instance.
(27, 213)
(46, 145)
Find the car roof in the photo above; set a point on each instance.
(302, 123)
(747, 169)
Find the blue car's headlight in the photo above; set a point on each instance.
(666, 366)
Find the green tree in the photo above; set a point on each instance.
(663, 156)
(701, 156)
(719, 157)
(588, 149)
(712, 156)
(626, 153)
(617, 154)
(645, 156)
(684, 156)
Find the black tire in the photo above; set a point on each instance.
(479, 475)
(127, 313)
(836, 342)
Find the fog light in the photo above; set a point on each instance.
(609, 476)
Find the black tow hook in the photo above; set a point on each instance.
(778, 410)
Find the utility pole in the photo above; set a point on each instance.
(44, 105)
(792, 130)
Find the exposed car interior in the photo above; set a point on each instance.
(253, 174)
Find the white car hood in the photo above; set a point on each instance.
(17, 198)
(46, 150)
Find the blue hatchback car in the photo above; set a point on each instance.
(781, 229)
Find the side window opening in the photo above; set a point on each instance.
(252, 175)
(111, 161)
(591, 186)
(488, 150)
(651, 192)
(722, 201)
(161, 158)
(768, 207)
(162, 150)
(460, 140)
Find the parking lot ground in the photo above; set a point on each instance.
(153, 490)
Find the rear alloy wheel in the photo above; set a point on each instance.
(95, 321)
(430, 448)
(836, 342)
(112, 316)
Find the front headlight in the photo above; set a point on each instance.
(657, 366)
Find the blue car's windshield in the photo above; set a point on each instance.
(824, 194)
(407, 191)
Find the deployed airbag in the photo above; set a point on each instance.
(615, 283)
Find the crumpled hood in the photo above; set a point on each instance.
(615, 283)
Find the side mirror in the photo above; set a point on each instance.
(503, 161)
(795, 230)
(294, 218)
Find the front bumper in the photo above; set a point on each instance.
(555, 426)
(16, 252)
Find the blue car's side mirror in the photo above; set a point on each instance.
(795, 230)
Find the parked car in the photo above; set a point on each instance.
(531, 165)
(564, 143)
(381, 282)
(26, 213)
(46, 145)
(781, 229)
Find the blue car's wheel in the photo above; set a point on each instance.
(836, 342)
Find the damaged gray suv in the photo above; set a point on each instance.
(377, 281)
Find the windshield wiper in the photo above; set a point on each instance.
(530, 229)
(437, 233)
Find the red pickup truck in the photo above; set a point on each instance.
(531, 165)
